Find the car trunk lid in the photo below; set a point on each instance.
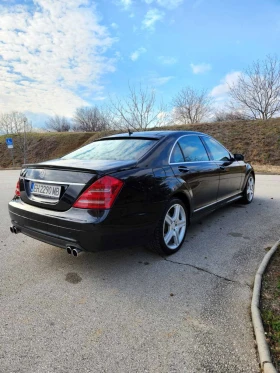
(57, 184)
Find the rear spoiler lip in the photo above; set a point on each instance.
(79, 169)
(53, 167)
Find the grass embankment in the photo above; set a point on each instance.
(258, 140)
(270, 307)
(41, 147)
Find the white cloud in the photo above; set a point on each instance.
(159, 80)
(166, 60)
(151, 17)
(221, 90)
(114, 25)
(125, 4)
(200, 68)
(168, 4)
(136, 54)
(51, 50)
(118, 55)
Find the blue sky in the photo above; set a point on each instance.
(58, 55)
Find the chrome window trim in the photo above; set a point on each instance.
(192, 162)
(231, 198)
(198, 135)
(192, 134)
(51, 182)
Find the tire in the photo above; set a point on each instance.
(248, 192)
(171, 229)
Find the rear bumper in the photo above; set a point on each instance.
(84, 229)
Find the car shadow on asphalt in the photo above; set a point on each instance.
(132, 258)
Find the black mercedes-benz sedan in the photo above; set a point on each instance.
(128, 189)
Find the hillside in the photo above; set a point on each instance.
(259, 141)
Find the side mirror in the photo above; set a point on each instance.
(238, 157)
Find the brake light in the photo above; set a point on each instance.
(100, 195)
(17, 191)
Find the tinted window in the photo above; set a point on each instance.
(193, 149)
(218, 152)
(117, 149)
(177, 155)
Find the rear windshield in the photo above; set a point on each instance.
(117, 149)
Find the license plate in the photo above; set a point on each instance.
(47, 190)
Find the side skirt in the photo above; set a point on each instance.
(197, 214)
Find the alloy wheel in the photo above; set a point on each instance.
(250, 188)
(174, 226)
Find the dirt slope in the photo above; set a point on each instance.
(258, 140)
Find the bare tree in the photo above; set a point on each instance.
(138, 110)
(91, 119)
(191, 106)
(257, 90)
(58, 123)
(229, 116)
(16, 123)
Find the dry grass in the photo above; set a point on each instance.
(266, 169)
(42, 147)
(270, 307)
(259, 141)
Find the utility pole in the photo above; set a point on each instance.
(12, 150)
(24, 140)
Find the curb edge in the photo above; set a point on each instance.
(263, 349)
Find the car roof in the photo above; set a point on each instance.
(155, 134)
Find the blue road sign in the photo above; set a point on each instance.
(9, 143)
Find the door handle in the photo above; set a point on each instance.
(183, 169)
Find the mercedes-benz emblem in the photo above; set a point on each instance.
(42, 174)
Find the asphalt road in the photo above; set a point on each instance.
(130, 310)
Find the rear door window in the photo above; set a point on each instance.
(218, 152)
(193, 149)
(113, 149)
(177, 155)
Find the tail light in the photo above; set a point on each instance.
(101, 194)
(17, 191)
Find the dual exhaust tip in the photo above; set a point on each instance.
(73, 251)
(14, 229)
(70, 250)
